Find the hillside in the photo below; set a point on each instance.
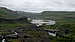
(59, 16)
(4, 12)
(7, 13)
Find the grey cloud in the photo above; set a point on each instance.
(39, 5)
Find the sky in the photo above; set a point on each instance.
(39, 5)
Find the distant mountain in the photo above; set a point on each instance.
(29, 14)
(59, 16)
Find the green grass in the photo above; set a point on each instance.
(6, 26)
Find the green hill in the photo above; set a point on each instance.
(59, 16)
(4, 12)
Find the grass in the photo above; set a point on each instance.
(7, 14)
(60, 39)
(6, 26)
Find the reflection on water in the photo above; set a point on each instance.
(41, 22)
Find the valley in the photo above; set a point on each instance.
(28, 31)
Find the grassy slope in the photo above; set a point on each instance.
(59, 16)
(6, 13)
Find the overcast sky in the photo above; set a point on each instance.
(39, 5)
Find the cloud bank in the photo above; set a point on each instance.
(39, 5)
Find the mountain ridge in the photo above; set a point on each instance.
(59, 16)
